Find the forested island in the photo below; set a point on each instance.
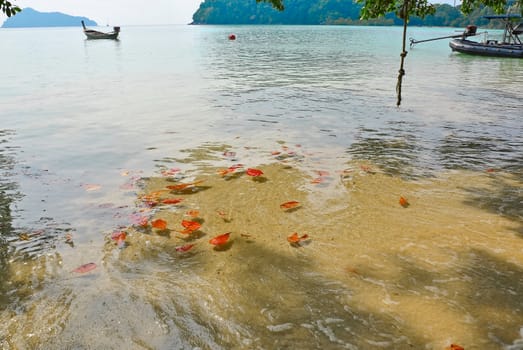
(32, 18)
(327, 12)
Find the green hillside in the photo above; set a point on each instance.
(316, 12)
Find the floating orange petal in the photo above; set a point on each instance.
(455, 347)
(236, 166)
(229, 154)
(317, 180)
(91, 187)
(191, 225)
(169, 172)
(254, 172)
(184, 248)
(404, 202)
(224, 172)
(221, 239)
(159, 224)
(118, 235)
(85, 268)
(172, 200)
(153, 196)
(192, 213)
(295, 238)
(179, 187)
(289, 205)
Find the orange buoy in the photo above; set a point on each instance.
(232, 37)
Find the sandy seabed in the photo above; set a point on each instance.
(445, 269)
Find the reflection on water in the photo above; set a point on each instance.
(481, 149)
(396, 149)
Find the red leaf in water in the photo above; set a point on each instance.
(254, 172)
(404, 202)
(295, 238)
(159, 224)
(179, 187)
(190, 226)
(193, 213)
(85, 268)
(455, 347)
(230, 169)
(91, 187)
(171, 171)
(118, 235)
(138, 219)
(184, 248)
(221, 239)
(317, 180)
(289, 205)
(172, 200)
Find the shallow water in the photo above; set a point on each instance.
(89, 128)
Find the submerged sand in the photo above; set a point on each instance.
(447, 268)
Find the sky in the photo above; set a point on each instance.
(119, 12)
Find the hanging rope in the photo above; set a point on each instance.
(403, 54)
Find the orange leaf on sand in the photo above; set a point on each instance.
(190, 226)
(224, 172)
(159, 224)
(455, 347)
(295, 238)
(184, 248)
(179, 187)
(192, 213)
(118, 235)
(404, 202)
(289, 205)
(254, 172)
(85, 268)
(172, 200)
(221, 239)
(169, 172)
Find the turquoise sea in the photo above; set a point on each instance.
(83, 123)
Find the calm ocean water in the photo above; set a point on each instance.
(79, 109)
(76, 114)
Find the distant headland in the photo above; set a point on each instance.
(32, 18)
(329, 12)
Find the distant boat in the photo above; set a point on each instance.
(94, 34)
(509, 46)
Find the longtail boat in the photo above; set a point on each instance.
(94, 34)
(510, 44)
